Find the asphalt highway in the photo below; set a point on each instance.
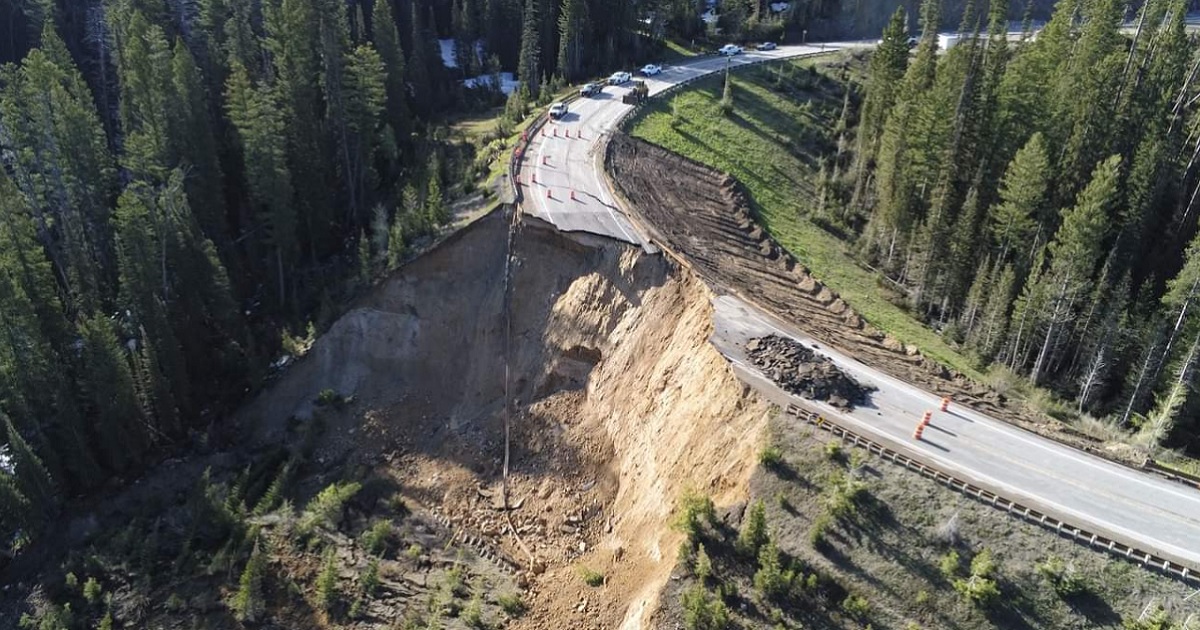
(562, 169)
(563, 181)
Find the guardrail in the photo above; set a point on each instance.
(1093, 540)
(1079, 535)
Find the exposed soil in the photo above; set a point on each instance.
(803, 372)
(704, 215)
(620, 404)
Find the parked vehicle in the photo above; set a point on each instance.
(767, 46)
(618, 78)
(591, 89)
(558, 110)
(730, 50)
(651, 69)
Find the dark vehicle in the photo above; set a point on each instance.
(591, 89)
(636, 95)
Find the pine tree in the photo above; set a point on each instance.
(529, 67)
(256, 116)
(387, 42)
(435, 202)
(366, 100)
(108, 381)
(327, 590)
(194, 142)
(753, 534)
(1075, 252)
(572, 38)
(886, 70)
(61, 164)
(32, 479)
(144, 68)
(248, 604)
(1021, 217)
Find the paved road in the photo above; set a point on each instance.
(1137, 509)
(1153, 514)
(566, 160)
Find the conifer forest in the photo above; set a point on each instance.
(185, 183)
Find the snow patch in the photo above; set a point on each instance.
(709, 16)
(508, 82)
(449, 54)
(780, 7)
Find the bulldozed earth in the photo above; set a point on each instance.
(705, 216)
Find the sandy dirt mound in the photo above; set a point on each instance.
(620, 405)
(803, 372)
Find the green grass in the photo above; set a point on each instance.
(781, 124)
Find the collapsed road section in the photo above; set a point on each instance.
(803, 372)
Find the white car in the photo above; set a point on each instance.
(618, 78)
(729, 50)
(558, 110)
(651, 69)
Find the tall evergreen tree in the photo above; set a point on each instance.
(572, 38)
(529, 67)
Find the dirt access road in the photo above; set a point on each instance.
(703, 215)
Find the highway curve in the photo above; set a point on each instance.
(563, 182)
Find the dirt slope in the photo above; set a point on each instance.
(705, 215)
(621, 405)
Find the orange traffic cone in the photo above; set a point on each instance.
(926, 418)
(945, 403)
(545, 160)
(919, 432)
(533, 177)
(556, 132)
(548, 194)
(572, 194)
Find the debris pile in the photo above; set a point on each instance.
(803, 372)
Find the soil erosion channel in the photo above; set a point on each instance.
(621, 404)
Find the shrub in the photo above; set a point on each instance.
(821, 524)
(771, 457)
(92, 590)
(843, 497)
(330, 398)
(370, 578)
(856, 606)
(590, 577)
(754, 534)
(414, 552)
(694, 510)
(455, 584)
(978, 590)
(833, 450)
(1062, 577)
(703, 566)
(702, 611)
(327, 583)
(375, 540)
(950, 564)
(71, 580)
(923, 598)
(248, 604)
(325, 510)
(511, 604)
(473, 614)
(772, 580)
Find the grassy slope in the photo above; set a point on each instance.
(770, 142)
(890, 550)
